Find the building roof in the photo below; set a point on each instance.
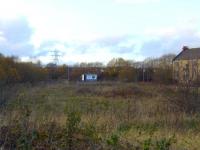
(188, 54)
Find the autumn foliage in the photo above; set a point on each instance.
(157, 70)
(14, 71)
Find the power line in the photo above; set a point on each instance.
(55, 56)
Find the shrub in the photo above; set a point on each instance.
(147, 144)
(72, 127)
(164, 143)
(113, 140)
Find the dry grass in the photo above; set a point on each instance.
(132, 112)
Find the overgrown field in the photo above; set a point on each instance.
(99, 116)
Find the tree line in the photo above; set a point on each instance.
(12, 70)
(118, 69)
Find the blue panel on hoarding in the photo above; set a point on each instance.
(91, 77)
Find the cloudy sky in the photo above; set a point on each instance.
(97, 30)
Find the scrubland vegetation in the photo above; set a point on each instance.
(159, 70)
(133, 106)
(105, 115)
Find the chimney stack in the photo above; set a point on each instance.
(185, 48)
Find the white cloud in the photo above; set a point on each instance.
(186, 26)
(15, 37)
(159, 41)
(78, 36)
(136, 1)
(2, 38)
(10, 9)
